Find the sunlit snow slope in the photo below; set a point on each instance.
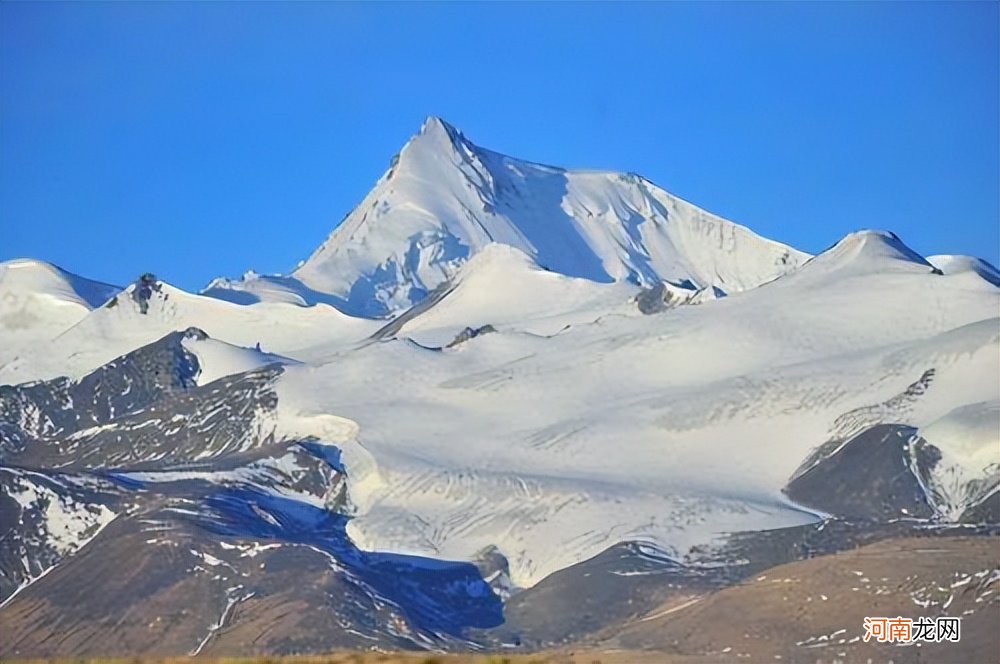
(553, 442)
(444, 199)
(39, 300)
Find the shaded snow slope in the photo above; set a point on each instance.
(26, 275)
(253, 288)
(951, 264)
(444, 198)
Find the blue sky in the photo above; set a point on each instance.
(198, 140)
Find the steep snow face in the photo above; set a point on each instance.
(443, 199)
(218, 358)
(39, 300)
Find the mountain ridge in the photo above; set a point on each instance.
(444, 198)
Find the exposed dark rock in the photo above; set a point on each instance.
(986, 511)
(868, 477)
(657, 299)
(59, 407)
(470, 333)
(143, 290)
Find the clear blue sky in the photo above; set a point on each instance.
(198, 140)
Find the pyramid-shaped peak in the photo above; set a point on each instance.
(444, 198)
(437, 142)
(437, 134)
(435, 124)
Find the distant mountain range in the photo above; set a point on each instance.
(503, 406)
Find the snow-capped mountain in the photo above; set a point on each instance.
(443, 199)
(670, 428)
(39, 300)
(568, 389)
(148, 309)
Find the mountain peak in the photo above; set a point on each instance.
(435, 138)
(435, 125)
(32, 276)
(880, 245)
(869, 251)
(24, 269)
(444, 199)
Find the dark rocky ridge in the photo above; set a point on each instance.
(60, 407)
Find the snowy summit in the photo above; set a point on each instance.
(444, 198)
